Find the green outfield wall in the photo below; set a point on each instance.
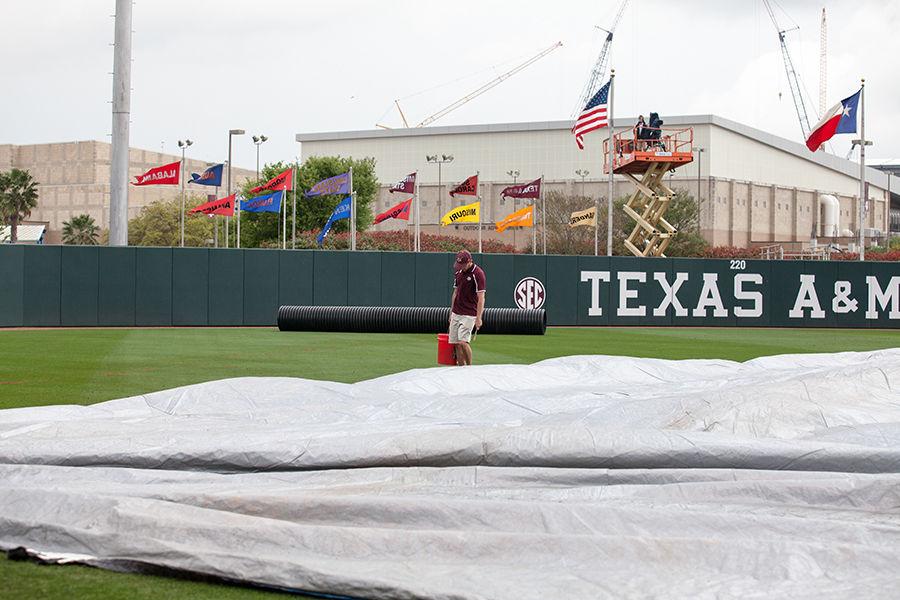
(84, 286)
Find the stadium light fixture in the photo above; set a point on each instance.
(231, 133)
(183, 145)
(258, 141)
(445, 158)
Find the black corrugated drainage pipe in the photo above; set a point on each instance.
(405, 319)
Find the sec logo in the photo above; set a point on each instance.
(529, 293)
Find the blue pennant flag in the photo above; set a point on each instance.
(212, 176)
(341, 211)
(268, 203)
(339, 184)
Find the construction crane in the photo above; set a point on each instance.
(793, 80)
(495, 82)
(474, 94)
(598, 71)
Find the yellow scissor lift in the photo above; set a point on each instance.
(645, 161)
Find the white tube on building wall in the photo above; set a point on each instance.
(831, 215)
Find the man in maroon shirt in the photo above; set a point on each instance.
(466, 305)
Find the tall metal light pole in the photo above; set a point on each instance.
(699, 152)
(582, 173)
(121, 114)
(439, 161)
(514, 173)
(183, 145)
(232, 132)
(258, 141)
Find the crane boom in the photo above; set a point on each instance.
(598, 71)
(494, 82)
(823, 65)
(793, 80)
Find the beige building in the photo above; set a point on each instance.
(754, 187)
(73, 179)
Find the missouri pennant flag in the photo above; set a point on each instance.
(520, 218)
(400, 211)
(583, 217)
(283, 182)
(164, 175)
(469, 187)
(468, 213)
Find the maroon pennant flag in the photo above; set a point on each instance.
(407, 186)
(469, 187)
(526, 190)
(401, 211)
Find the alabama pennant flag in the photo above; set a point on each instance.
(164, 175)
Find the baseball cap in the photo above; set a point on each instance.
(463, 256)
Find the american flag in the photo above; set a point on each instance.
(593, 116)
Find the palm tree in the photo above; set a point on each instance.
(18, 196)
(81, 230)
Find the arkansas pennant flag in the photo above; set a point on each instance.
(401, 211)
(222, 206)
(469, 187)
(284, 181)
(165, 175)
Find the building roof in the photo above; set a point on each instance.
(829, 161)
(26, 234)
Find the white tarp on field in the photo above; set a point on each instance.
(581, 477)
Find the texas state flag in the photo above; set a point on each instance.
(841, 118)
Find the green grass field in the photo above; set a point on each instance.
(42, 367)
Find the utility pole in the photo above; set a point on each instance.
(121, 115)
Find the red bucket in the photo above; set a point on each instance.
(446, 354)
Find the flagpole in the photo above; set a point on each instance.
(182, 194)
(284, 222)
(610, 192)
(352, 213)
(237, 240)
(477, 173)
(543, 218)
(216, 224)
(294, 211)
(418, 228)
(862, 171)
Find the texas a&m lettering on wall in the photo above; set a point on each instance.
(798, 298)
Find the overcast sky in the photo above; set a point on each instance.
(280, 67)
